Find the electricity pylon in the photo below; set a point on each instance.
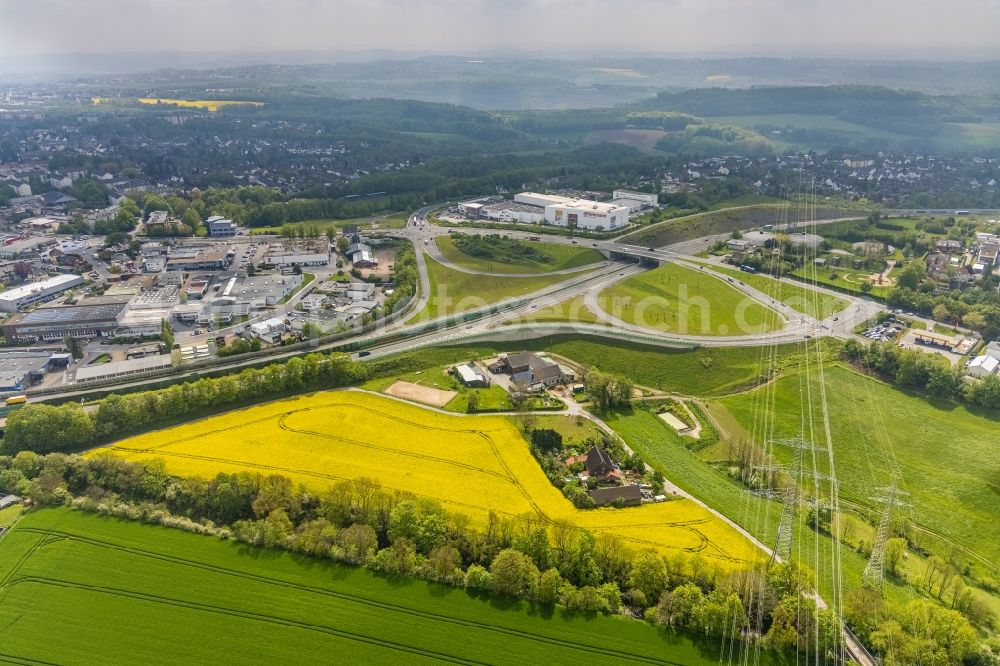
(874, 573)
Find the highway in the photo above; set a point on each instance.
(587, 281)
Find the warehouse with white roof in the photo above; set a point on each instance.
(18, 298)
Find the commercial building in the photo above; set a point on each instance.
(129, 368)
(512, 211)
(18, 298)
(195, 259)
(90, 318)
(585, 214)
(577, 213)
(260, 291)
(219, 226)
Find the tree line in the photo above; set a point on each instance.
(912, 369)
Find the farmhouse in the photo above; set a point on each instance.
(528, 370)
(598, 464)
(627, 495)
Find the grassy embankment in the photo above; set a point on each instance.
(676, 299)
(454, 292)
(560, 258)
(799, 298)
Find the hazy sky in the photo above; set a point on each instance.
(902, 28)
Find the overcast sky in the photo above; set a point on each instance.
(900, 28)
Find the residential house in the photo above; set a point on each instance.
(598, 465)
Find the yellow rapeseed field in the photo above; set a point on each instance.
(212, 105)
(470, 464)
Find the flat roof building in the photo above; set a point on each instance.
(88, 319)
(18, 298)
(129, 368)
(20, 369)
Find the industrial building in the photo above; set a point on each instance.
(20, 369)
(18, 298)
(362, 256)
(129, 368)
(90, 318)
(21, 247)
(314, 252)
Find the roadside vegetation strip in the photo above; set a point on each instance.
(935, 446)
(472, 465)
(453, 292)
(557, 257)
(676, 299)
(151, 577)
(796, 296)
(723, 221)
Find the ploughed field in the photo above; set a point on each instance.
(472, 464)
(79, 588)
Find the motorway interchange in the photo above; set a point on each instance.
(495, 321)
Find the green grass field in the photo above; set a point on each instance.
(941, 449)
(676, 299)
(799, 298)
(663, 449)
(389, 221)
(453, 292)
(720, 221)
(847, 278)
(564, 257)
(79, 588)
(701, 372)
(573, 310)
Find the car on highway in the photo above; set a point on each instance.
(651, 249)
